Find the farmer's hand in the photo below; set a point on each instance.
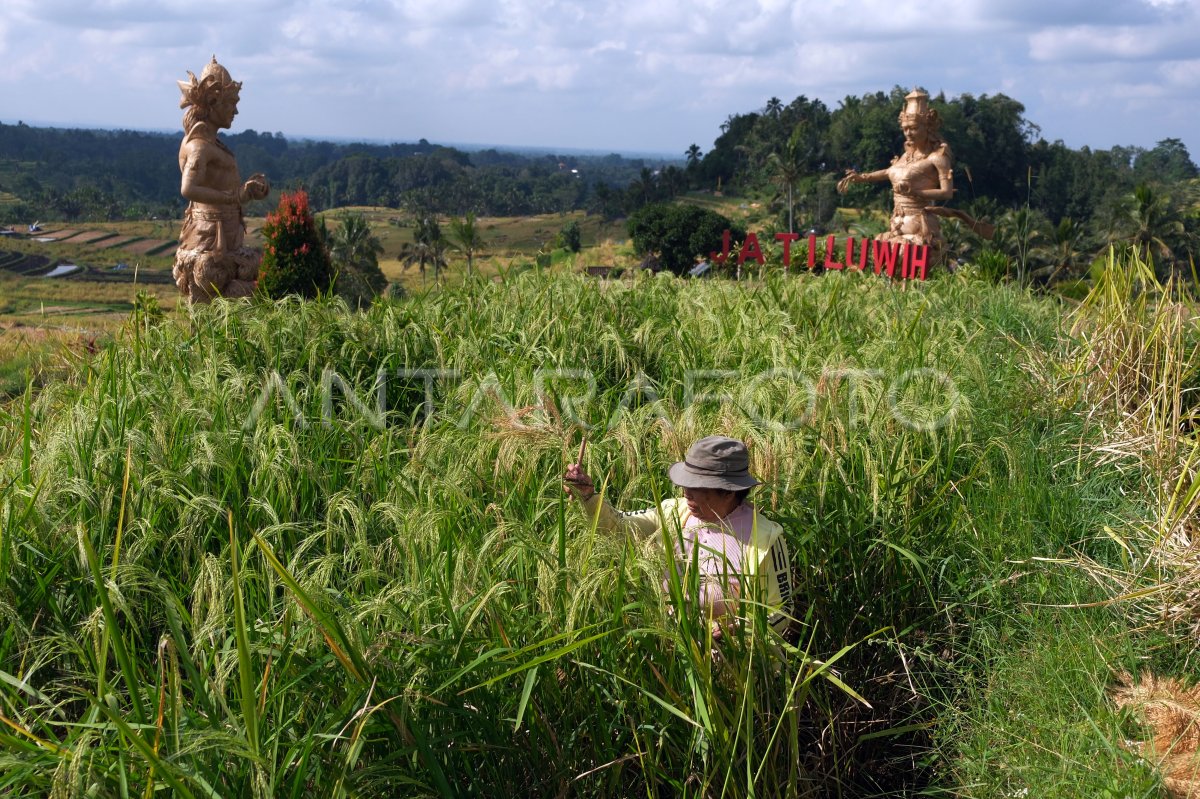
(577, 482)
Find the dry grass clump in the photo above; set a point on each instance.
(1171, 709)
(1134, 362)
(1136, 369)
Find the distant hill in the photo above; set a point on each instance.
(93, 175)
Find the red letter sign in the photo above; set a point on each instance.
(920, 261)
(787, 239)
(830, 252)
(722, 257)
(862, 258)
(883, 254)
(750, 249)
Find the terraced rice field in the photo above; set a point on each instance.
(283, 549)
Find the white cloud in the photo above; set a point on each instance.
(547, 69)
(1182, 74)
(1123, 43)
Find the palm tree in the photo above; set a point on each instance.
(642, 189)
(356, 250)
(774, 107)
(1152, 222)
(693, 156)
(1023, 228)
(787, 167)
(466, 237)
(426, 248)
(673, 181)
(1064, 246)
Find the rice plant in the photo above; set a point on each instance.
(1137, 369)
(287, 550)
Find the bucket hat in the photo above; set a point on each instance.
(714, 462)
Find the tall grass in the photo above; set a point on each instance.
(1121, 599)
(298, 601)
(1138, 370)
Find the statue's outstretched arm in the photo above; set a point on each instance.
(854, 176)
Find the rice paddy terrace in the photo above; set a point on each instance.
(284, 549)
(43, 254)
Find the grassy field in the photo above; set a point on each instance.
(226, 571)
(39, 318)
(45, 325)
(509, 242)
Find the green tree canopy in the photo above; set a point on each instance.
(676, 234)
(1168, 162)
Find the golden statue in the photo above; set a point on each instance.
(212, 259)
(921, 176)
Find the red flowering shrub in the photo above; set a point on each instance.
(295, 260)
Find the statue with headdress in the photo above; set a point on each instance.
(921, 177)
(212, 260)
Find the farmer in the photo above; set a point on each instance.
(714, 529)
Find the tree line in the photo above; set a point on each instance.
(93, 175)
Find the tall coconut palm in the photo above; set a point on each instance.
(465, 237)
(1064, 246)
(1022, 228)
(693, 154)
(427, 248)
(787, 167)
(673, 181)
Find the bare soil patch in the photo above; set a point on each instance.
(148, 246)
(89, 236)
(59, 235)
(119, 241)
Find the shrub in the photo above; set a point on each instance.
(295, 260)
(147, 309)
(993, 264)
(678, 233)
(570, 238)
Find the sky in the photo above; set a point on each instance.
(610, 75)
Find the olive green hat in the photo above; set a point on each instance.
(714, 462)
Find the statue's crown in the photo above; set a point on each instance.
(916, 109)
(214, 81)
(916, 103)
(218, 74)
